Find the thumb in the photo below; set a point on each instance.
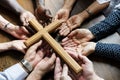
(35, 46)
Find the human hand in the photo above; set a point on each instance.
(61, 73)
(62, 14)
(18, 45)
(25, 17)
(74, 51)
(33, 56)
(43, 15)
(81, 49)
(71, 23)
(45, 65)
(88, 72)
(77, 36)
(19, 32)
(88, 48)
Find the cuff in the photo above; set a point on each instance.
(103, 1)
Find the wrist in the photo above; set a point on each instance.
(26, 65)
(95, 77)
(84, 15)
(34, 76)
(3, 22)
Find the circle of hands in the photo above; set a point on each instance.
(40, 55)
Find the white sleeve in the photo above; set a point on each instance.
(103, 1)
(16, 72)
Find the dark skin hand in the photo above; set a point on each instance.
(42, 14)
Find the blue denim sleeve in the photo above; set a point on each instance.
(107, 50)
(107, 26)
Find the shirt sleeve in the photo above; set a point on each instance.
(103, 1)
(16, 72)
(107, 26)
(108, 50)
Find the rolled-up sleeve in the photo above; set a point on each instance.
(103, 1)
(16, 72)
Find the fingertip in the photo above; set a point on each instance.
(65, 39)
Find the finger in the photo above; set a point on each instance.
(35, 46)
(24, 30)
(66, 31)
(72, 54)
(67, 42)
(65, 70)
(84, 59)
(58, 69)
(58, 66)
(22, 20)
(41, 54)
(52, 60)
(72, 34)
(56, 17)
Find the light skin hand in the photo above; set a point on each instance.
(33, 56)
(74, 51)
(18, 45)
(85, 49)
(19, 32)
(77, 36)
(88, 48)
(15, 45)
(61, 73)
(25, 17)
(88, 72)
(45, 65)
(43, 15)
(71, 23)
(62, 14)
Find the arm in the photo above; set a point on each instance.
(93, 9)
(12, 5)
(42, 13)
(107, 26)
(68, 4)
(13, 45)
(108, 50)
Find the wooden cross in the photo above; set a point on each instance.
(43, 32)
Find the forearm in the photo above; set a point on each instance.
(68, 4)
(93, 9)
(3, 22)
(107, 26)
(12, 5)
(5, 46)
(108, 50)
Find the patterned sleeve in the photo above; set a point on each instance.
(107, 50)
(107, 26)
